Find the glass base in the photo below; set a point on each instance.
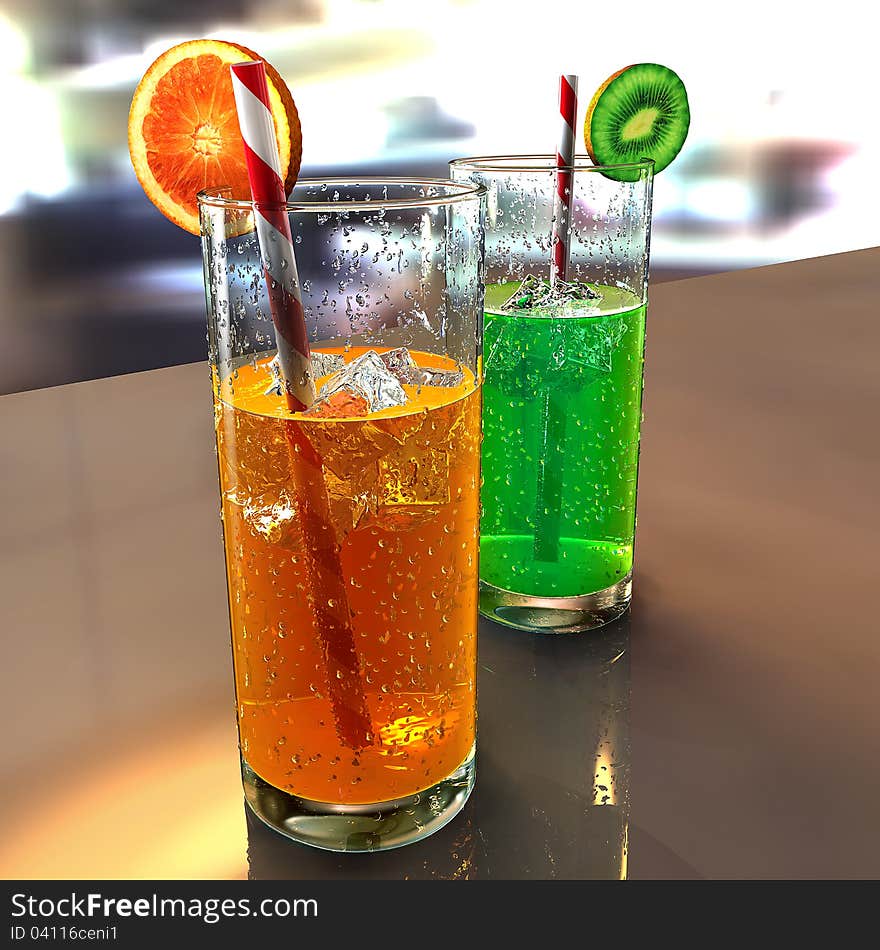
(555, 614)
(378, 827)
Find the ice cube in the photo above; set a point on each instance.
(400, 429)
(321, 364)
(325, 363)
(366, 376)
(422, 376)
(412, 490)
(598, 342)
(341, 404)
(398, 361)
(352, 500)
(250, 473)
(561, 354)
(346, 450)
(422, 480)
(536, 292)
(408, 372)
(275, 520)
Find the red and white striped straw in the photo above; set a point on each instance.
(273, 230)
(564, 178)
(328, 597)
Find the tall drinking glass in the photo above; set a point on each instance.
(563, 390)
(351, 529)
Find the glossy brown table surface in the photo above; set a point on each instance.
(741, 693)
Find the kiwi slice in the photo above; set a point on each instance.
(639, 112)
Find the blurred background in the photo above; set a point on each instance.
(95, 282)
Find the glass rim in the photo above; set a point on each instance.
(541, 162)
(458, 192)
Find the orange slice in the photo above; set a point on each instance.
(183, 132)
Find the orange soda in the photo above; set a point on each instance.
(403, 491)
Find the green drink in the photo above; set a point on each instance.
(561, 411)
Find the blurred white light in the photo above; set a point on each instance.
(719, 200)
(32, 161)
(14, 48)
(115, 73)
(338, 126)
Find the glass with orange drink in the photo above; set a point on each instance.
(351, 528)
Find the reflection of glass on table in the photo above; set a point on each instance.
(555, 759)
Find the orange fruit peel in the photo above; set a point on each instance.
(183, 133)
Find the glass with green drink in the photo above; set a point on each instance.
(562, 399)
(566, 273)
